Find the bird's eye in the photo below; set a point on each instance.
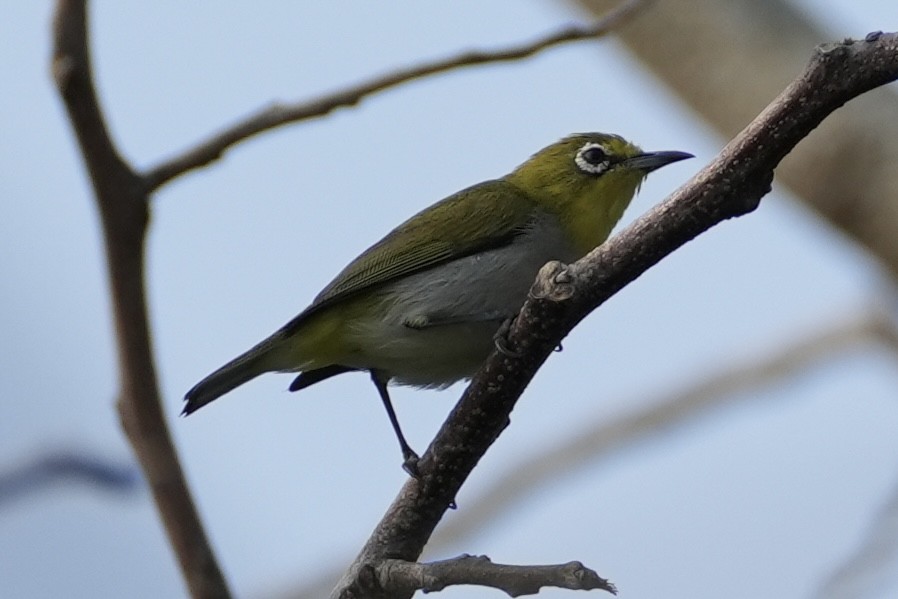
(593, 158)
(594, 155)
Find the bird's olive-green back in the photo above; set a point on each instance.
(491, 214)
(481, 217)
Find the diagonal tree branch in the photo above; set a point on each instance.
(281, 114)
(732, 185)
(122, 201)
(603, 439)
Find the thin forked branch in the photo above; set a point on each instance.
(123, 203)
(279, 114)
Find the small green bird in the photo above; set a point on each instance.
(422, 306)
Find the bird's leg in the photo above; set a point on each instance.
(409, 457)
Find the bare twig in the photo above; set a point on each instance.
(122, 201)
(280, 114)
(479, 570)
(732, 185)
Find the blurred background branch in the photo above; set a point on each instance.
(48, 470)
(866, 571)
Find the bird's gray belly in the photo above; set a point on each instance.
(437, 326)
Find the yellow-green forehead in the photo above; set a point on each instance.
(614, 145)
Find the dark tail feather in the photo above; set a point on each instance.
(310, 377)
(233, 374)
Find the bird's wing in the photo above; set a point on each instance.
(485, 216)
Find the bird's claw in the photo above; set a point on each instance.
(500, 339)
(410, 464)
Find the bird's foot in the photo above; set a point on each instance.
(500, 339)
(410, 463)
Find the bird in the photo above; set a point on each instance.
(423, 306)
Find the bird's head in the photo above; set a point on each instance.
(588, 179)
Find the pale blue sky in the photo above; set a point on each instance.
(752, 501)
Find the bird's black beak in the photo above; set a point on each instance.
(652, 161)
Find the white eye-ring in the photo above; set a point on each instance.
(593, 158)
